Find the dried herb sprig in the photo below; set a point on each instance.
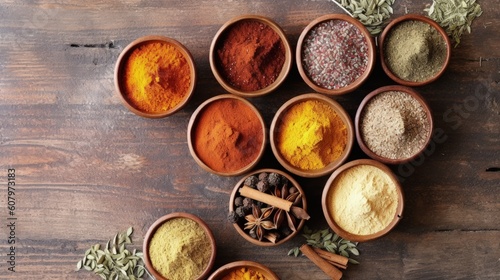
(327, 240)
(114, 261)
(455, 16)
(373, 14)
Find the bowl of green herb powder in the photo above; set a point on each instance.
(414, 50)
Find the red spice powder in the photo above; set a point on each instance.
(250, 55)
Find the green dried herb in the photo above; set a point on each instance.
(329, 241)
(455, 16)
(373, 14)
(114, 261)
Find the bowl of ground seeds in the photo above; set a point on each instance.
(414, 50)
(179, 246)
(335, 54)
(362, 200)
(393, 124)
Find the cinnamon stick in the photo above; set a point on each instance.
(324, 265)
(266, 198)
(332, 258)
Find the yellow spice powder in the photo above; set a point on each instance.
(311, 135)
(244, 274)
(180, 249)
(363, 200)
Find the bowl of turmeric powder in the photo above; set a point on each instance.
(243, 270)
(311, 135)
(179, 246)
(155, 76)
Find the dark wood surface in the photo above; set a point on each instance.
(87, 168)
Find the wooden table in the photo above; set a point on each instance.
(87, 168)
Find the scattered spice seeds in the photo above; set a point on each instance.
(334, 54)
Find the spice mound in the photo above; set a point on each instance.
(415, 51)
(334, 54)
(363, 200)
(394, 125)
(244, 274)
(268, 207)
(157, 77)
(180, 249)
(311, 135)
(250, 55)
(228, 135)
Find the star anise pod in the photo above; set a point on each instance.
(280, 214)
(259, 221)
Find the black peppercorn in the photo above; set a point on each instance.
(232, 217)
(263, 176)
(263, 186)
(274, 179)
(251, 181)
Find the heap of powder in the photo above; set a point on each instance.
(415, 51)
(363, 200)
(394, 125)
(311, 135)
(180, 249)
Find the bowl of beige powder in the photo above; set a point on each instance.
(362, 200)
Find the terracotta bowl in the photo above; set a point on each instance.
(119, 76)
(359, 118)
(386, 34)
(329, 187)
(257, 267)
(215, 47)
(371, 54)
(193, 122)
(152, 229)
(277, 120)
(240, 224)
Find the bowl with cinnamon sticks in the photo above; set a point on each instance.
(268, 207)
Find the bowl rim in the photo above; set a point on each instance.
(287, 65)
(357, 123)
(386, 32)
(355, 237)
(227, 268)
(372, 54)
(193, 122)
(341, 112)
(122, 59)
(234, 193)
(152, 229)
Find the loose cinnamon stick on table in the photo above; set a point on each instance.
(337, 260)
(324, 265)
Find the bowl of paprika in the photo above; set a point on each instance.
(227, 135)
(155, 76)
(250, 56)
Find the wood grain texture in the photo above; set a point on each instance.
(87, 168)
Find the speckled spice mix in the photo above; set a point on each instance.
(334, 54)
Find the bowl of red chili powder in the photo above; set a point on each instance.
(250, 56)
(155, 76)
(335, 54)
(227, 135)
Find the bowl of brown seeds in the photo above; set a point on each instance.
(393, 124)
(268, 207)
(414, 50)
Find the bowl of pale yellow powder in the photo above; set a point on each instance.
(179, 246)
(362, 200)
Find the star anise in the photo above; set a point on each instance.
(280, 214)
(259, 221)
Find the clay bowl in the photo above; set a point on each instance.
(386, 33)
(191, 132)
(277, 121)
(119, 75)
(257, 267)
(152, 229)
(330, 186)
(370, 52)
(219, 38)
(239, 225)
(359, 119)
